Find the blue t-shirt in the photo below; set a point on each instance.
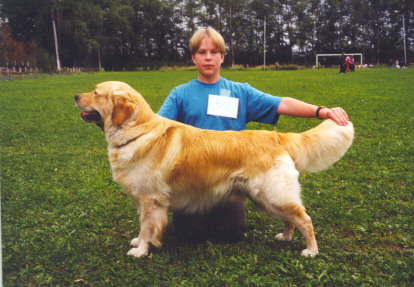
(188, 104)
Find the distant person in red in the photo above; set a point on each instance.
(347, 60)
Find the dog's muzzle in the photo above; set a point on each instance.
(90, 116)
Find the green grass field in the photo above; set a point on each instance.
(66, 222)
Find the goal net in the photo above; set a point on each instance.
(323, 60)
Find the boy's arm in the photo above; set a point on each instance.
(169, 108)
(292, 107)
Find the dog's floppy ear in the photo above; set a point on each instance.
(123, 108)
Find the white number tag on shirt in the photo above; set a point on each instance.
(223, 106)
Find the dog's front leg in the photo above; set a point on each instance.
(153, 220)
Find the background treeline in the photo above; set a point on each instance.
(126, 34)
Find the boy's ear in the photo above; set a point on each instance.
(122, 108)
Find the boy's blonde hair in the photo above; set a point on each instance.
(208, 32)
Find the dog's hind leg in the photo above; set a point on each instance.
(296, 216)
(287, 234)
(278, 191)
(153, 220)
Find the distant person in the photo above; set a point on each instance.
(397, 64)
(352, 63)
(195, 103)
(342, 65)
(390, 63)
(347, 59)
(277, 65)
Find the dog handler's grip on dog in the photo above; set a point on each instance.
(213, 102)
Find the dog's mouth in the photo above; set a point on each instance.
(91, 116)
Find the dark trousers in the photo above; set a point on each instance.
(223, 223)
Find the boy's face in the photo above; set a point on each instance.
(208, 60)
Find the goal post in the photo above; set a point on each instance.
(337, 55)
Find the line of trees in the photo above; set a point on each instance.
(125, 34)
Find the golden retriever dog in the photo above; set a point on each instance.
(166, 165)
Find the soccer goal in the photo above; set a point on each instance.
(357, 58)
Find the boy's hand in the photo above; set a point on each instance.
(338, 115)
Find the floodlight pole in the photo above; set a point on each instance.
(56, 42)
(264, 44)
(405, 52)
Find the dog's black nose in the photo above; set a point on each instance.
(76, 98)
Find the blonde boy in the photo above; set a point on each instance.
(213, 102)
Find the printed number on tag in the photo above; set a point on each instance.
(223, 106)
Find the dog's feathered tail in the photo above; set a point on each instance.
(320, 147)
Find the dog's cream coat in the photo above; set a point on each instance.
(166, 165)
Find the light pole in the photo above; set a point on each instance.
(56, 45)
(405, 52)
(264, 44)
(405, 49)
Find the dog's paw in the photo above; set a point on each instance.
(283, 237)
(138, 252)
(135, 242)
(309, 253)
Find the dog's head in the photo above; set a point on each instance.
(111, 104)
